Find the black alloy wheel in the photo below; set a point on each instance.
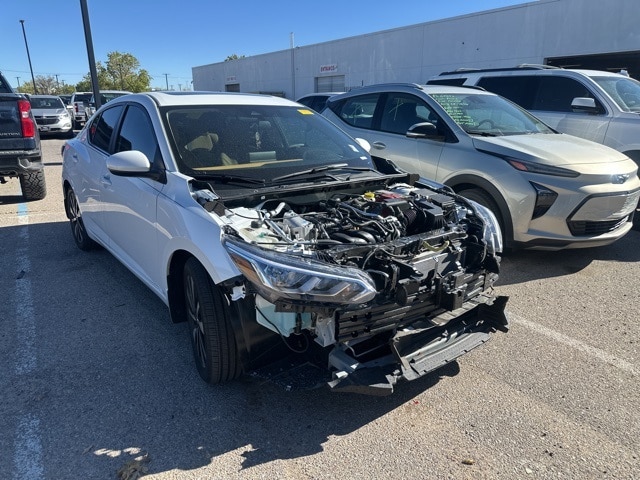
(212, 338)
(77, 225)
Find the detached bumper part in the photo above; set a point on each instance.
(420, 351)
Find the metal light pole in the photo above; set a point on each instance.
(18, 78)
(33, 79)
(166, 79)
(92, 61)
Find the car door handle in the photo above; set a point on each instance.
(106, 180)
(378, 145)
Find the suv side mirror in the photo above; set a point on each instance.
(422, 130)
(584, 105)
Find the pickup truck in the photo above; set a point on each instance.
(105, 96)
(20, 151)
(80, 102)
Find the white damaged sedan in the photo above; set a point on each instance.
(281, 242)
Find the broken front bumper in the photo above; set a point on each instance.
(420, 349)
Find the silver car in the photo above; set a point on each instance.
(51, 115)
(548, 190)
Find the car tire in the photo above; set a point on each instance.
(483, 198)
(33, 185)
(78, 230)
(212, 338)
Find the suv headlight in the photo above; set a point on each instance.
(491, 232)
(281, 276)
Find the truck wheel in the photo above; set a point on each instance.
(33, 185)
(77, 225)
(212, 338)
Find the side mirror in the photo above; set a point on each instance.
(584, 105)
(422, 130)
(131, 163)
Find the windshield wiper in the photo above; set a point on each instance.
(482, 133)
(226, 178)
(323, 168)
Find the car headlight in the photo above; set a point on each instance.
(533, 167)
(491, 232)
(281, 276)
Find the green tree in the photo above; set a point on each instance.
(121, 72)
(46, 85)
(233, 56)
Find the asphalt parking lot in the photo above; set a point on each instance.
(97, 380)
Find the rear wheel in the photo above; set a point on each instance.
(212, 338)
(33, 185)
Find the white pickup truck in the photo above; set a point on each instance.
(79, 102)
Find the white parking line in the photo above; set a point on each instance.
(28, 449)
(25, 322)
(578, 345)
(27, 457)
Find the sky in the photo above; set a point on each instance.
(171, 37)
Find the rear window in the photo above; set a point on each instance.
(4, 86)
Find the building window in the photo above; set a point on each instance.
(330, 84)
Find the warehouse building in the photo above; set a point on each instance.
(594, 34)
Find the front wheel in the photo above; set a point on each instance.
(483, 198)
(77, 225)
(212, 338)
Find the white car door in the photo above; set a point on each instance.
(90, 164)
(130, 202)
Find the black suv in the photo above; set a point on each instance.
(20, 152)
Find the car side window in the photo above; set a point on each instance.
(101, 129)
(519, 89)
(137, 133)
(358, 111)
(555, 94)
(401, 111)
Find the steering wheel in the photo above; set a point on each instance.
(490, 124)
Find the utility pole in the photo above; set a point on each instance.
(18, 78)
(166, 79)
(33, 79)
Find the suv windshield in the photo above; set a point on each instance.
(624, 91)
(480, 114)
(257, 142)
(47, 102)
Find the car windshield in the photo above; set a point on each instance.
(623, 90)
(53, 103)
(490, 115)
(258, 143)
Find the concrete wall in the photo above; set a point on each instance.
(526, 33)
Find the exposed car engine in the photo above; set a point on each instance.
(374, 273)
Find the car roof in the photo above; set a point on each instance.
(410, 87)
(205, 98)
(527, 70)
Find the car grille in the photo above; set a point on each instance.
(584, 228)
(46, 120)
